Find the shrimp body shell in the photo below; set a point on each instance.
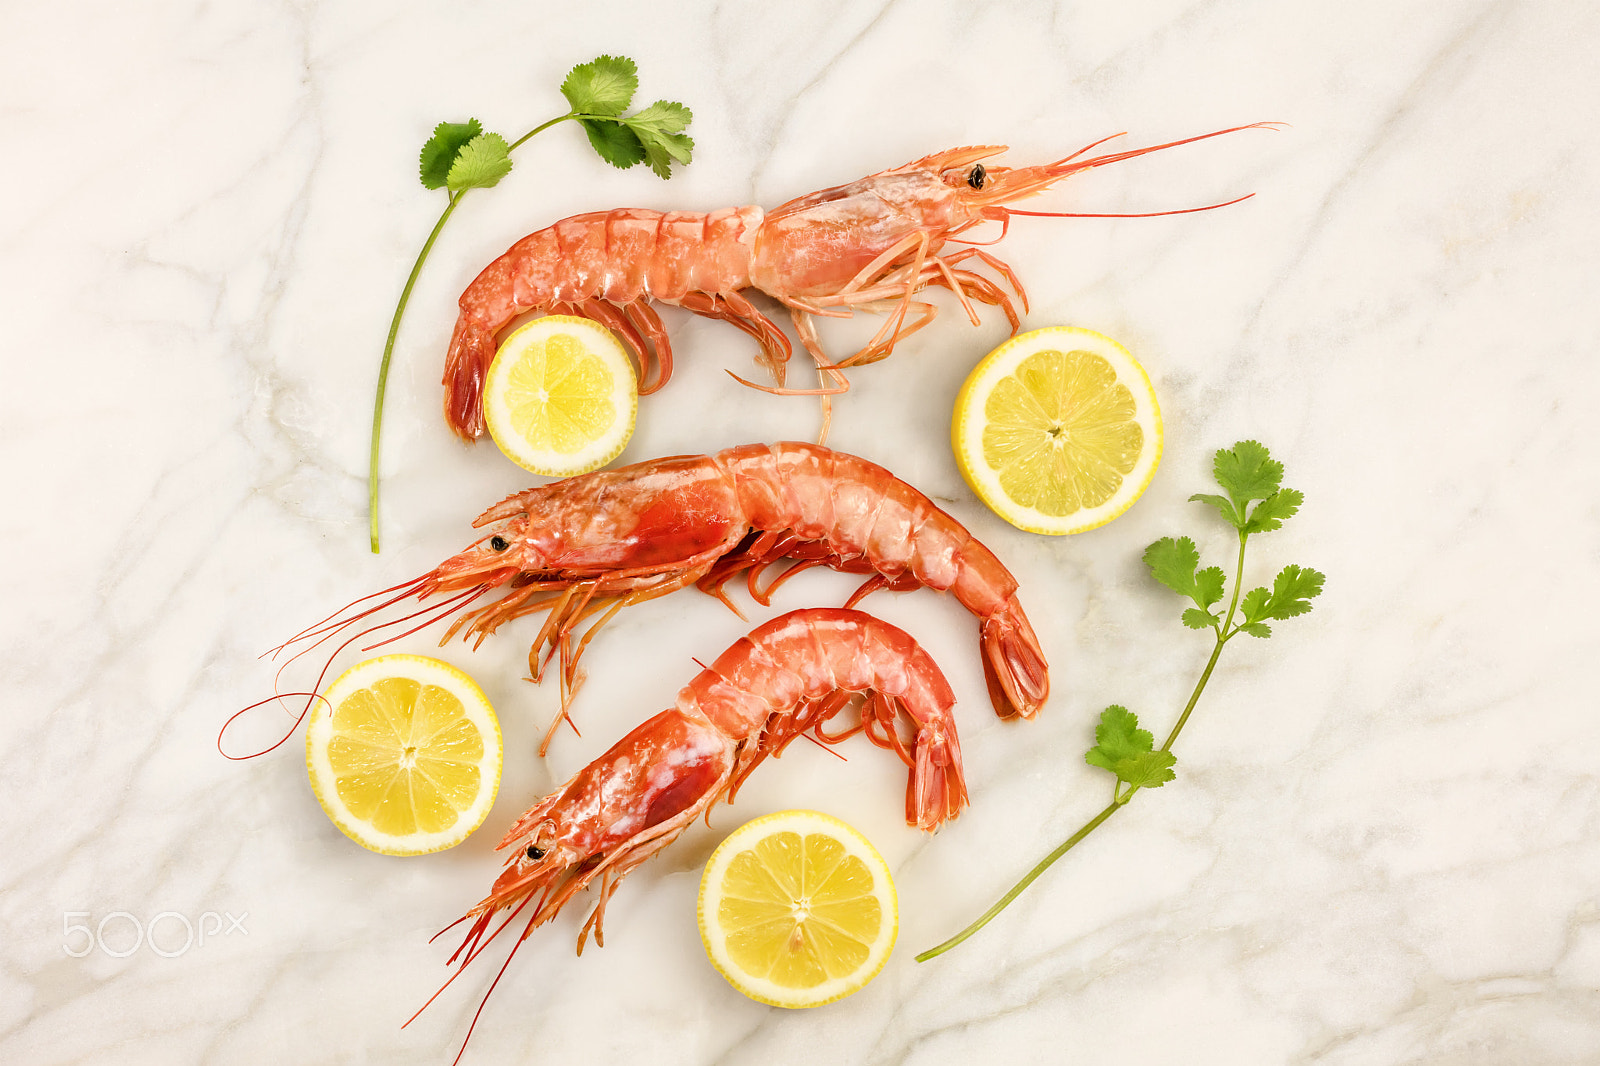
(618, 256)
(814, 245)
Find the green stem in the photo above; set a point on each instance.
(394, 331)
(383, 368)
(1090, 826)
(1224, 634)
(518, 143)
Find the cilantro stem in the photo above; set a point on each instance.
(394, 332)
(383, 368)
(400, 310)
(1224, 632)
(1090, 826)
(520, 141)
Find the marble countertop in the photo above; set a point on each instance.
(1383, 843)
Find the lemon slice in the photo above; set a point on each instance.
(1058, 430)
(561, 396)
(797, 909)
(405, 754)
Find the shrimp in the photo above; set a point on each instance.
(590, 545)
(870, 245)
(786, 678)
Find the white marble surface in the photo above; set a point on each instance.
(1384, 842)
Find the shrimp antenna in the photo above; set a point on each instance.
(333, 626)
(1128, 214)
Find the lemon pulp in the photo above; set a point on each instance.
(1058, 430)
(408, 759)
(561, 397)
(798, 909)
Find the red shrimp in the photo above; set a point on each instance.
(869, 245)
(786, 678)
(590, 545)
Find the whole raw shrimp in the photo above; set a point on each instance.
(869, 245)
(593, 544)
(786, 678)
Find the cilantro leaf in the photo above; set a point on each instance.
(1118, 736)
(481, 163)
(1208, 586)
(1270, 512)
(614, 142)
(603, 86)
(1255, 604)
(659, 128)
(1195, 618)
(1125, 749)
(1292, 592)
(1256, 629)
(1150, 769)
(1246, 472)
(1224, 506)
(1172, 562)
(439, 154)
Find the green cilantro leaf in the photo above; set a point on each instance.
(1195, 618)
(1152, 769)
(481, 163)
(439, 154)
(1208, 585)
(1224, 506)
(1270, 512)
(1256, 629)
(1292, 592)
(1246, 472)
(604, 86)
(1125, 749)
(614, 142)
(1172, 562)
(1118, 736)
(659, 128)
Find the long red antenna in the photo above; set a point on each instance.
(1127, 214)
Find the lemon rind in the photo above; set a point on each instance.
(432, 671)
(760, 989)
(967, 429)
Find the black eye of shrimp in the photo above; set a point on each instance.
(499, 543)
(535, 852)
(975, 179)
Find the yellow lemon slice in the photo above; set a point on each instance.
(561, 396)
(797, 909)
(1058, 430)
(405, 754)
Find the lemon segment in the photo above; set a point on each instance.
(405, 754)
(560, 397)
(797, 909)
(1058, 430)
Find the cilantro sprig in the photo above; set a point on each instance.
(1254, 502)
(460, 157)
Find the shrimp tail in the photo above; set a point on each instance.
(472, 349)
(937, 791)
(1014, 663)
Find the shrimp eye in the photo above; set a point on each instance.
(499, 543)
(535, 852)
(975, 179)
